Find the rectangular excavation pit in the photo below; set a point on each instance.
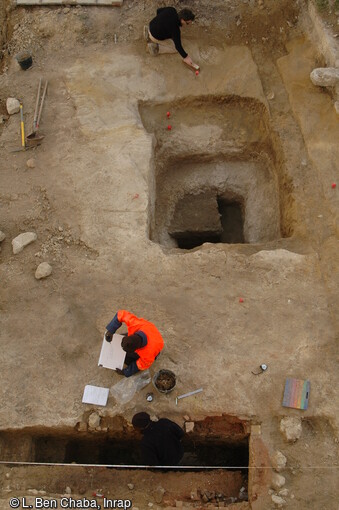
(102, 448)
(205, 451)
(221, 150)
(220, 201)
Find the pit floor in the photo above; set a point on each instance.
(88, 199)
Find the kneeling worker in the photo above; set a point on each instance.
(161, 440)
(142, 344)
(164, 32)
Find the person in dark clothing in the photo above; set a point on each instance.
(164, 32)
(161, 440)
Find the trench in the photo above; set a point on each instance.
(105, 449)
(216, 454)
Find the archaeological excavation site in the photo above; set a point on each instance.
(181, 220)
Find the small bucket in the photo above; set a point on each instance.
(164, 381)
(24, 60)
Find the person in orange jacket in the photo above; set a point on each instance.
(142, 344)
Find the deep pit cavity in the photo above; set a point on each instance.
(217, 176)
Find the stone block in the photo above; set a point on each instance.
(189, 426)
(325, 76)
(195, 214)
(12, 105)
(278, 481)
(23, 240)
(291, 428)
(94, 421)
(43, 270)
(278, 501)
(278, 461)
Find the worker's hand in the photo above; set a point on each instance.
(108, 336)
(190, 63)
(120, 372)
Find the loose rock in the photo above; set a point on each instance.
(278, 501)
(82, 426)
(195, 496)
(12, 105)
(68, 490)
(93, 421)
(130, 486)
(283, 492)
(325, 76)
(30, 163)
(159, 494)
(43, 270)
(291, 428)
(23, 240)
(189, 426)
(336, 107)
(278, 461)
(2, 236)
(278, 481)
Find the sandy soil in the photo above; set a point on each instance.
(91, 199)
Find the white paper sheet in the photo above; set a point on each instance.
(111, 355)
(95, 395)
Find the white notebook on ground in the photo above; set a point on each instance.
(95, 395)
(112, 355)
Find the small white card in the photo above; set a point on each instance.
(95, 395)
(112, 355)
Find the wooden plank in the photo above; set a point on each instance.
(112, 3)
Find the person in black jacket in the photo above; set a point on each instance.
(161, 440)
(164, 32)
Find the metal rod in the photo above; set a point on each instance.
(133, 466)
(121, 466)
(37, 106)
(190, 393)
(41, 104)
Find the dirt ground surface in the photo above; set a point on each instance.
(101, 195)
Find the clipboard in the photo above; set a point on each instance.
(112, 355)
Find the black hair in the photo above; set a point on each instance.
(186, 15)
(141, 420)
(131, 343)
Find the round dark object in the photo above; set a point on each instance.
(24, 60)
(164, 381)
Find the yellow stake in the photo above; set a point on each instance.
(22, 126)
